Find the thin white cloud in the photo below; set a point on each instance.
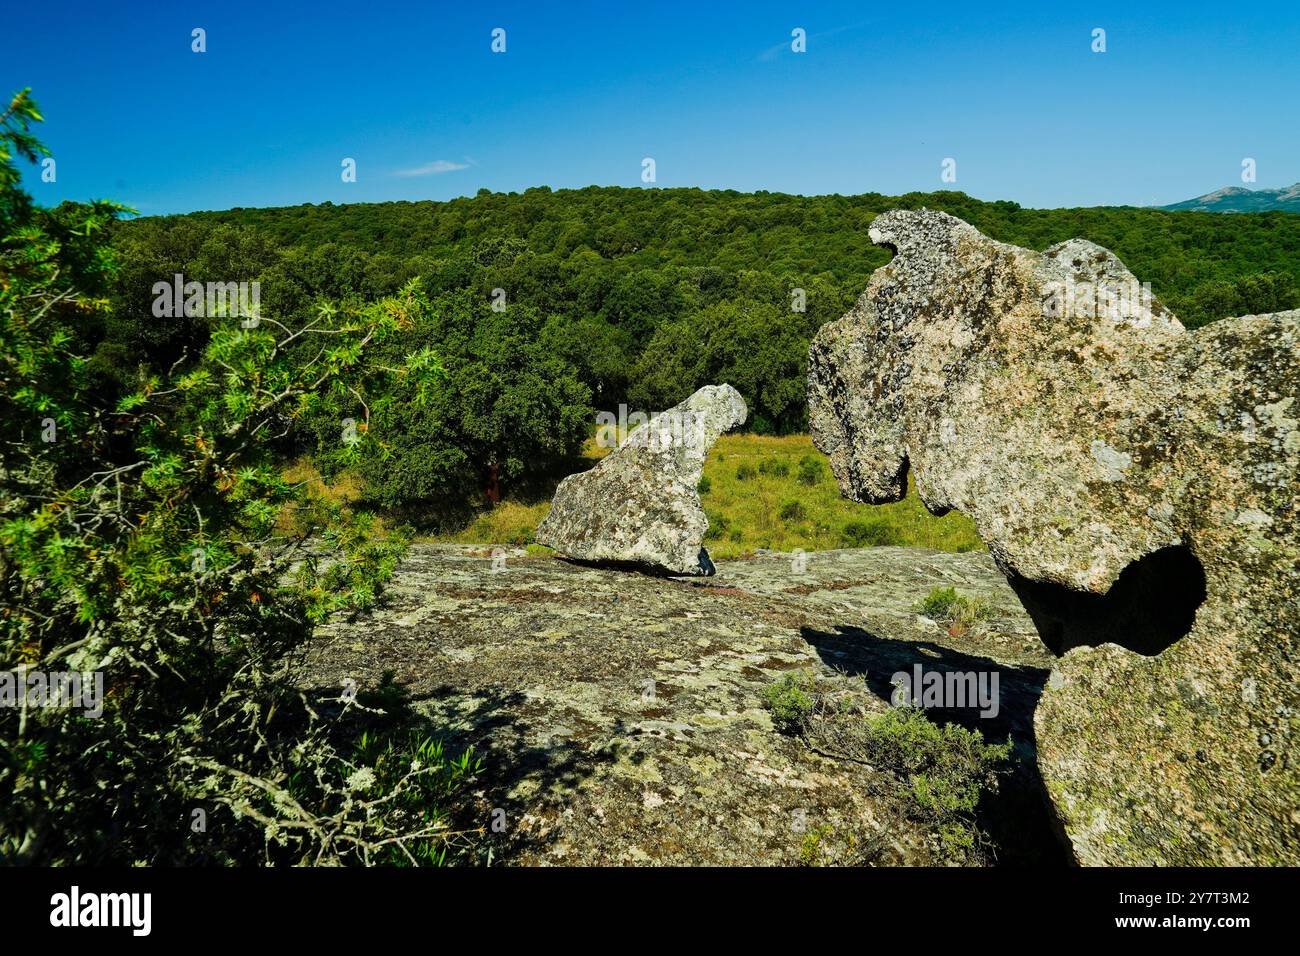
(774, 51)
(435, 168)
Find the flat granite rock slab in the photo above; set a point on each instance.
(620, 716)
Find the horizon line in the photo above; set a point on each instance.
(719, 189)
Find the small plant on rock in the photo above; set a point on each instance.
(790, 700)
(958, 612)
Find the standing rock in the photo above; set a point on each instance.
(640, 504)
(1136, 482)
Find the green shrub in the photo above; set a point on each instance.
(744, 471)
(811, 470)
(946, 767)
(790, 700)
(774, 467)
(793, 511)
(942, 771)
(869, 533)
(704, 485)
(149, 530)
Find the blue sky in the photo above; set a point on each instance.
(712, 91)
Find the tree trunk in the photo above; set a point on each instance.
(494, 484)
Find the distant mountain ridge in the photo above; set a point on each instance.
(1240, 199)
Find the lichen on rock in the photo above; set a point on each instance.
(621, 718)
(1136, 482)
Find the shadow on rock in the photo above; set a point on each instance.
(1018, 818)
(521, 776)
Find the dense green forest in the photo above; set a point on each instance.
(546, 305)
(1193, 260)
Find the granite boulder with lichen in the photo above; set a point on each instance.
(1136, 482)
(640, 505)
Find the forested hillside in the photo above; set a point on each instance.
(646, 228)
(1191, 259)
(605, 296)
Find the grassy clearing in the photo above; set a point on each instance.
(758, 492)
(778, 492)
(510, 522)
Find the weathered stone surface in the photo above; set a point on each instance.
(1120, 468)
(620, 717)
(640, 505)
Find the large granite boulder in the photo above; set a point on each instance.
(1136, 482)
(640, 505)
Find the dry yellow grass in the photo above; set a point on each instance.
(344, 489)
(508, 523)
